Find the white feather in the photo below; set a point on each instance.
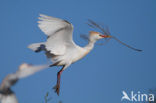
(9, 99)
(59, 32)
(35, 46)
(25, 71)
(50, 24)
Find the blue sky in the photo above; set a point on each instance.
(102, 75)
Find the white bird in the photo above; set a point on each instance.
(60, 47)
(24, 70)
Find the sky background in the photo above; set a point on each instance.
(104, 73)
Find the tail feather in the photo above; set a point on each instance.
(37, 47)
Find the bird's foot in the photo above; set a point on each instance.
(57, 89)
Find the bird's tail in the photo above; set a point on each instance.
(37, 47)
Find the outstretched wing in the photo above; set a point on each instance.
(59, 34)
(25, 71)
(8, 81)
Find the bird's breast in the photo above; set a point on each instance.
(71, 56)
(80, 55)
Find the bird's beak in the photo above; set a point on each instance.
(105, 36)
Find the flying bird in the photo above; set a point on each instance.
(60, 47)
(24, 70)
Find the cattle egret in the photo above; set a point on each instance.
(25, 70)
(60, 47)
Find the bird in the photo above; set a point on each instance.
(59, 46)
(24, 70)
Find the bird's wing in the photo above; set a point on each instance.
(30, 70)
(23, 71)
(8, 81)
(59, 34)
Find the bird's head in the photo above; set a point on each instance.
(94, 36)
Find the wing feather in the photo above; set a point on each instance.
(23, 72)
(59, 34)
(50, 24)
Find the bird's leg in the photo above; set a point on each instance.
(57, 87)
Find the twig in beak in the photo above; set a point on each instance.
(126, 44)
(106, 32)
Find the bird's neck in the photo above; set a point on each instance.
(84, 51)
(90, 45)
